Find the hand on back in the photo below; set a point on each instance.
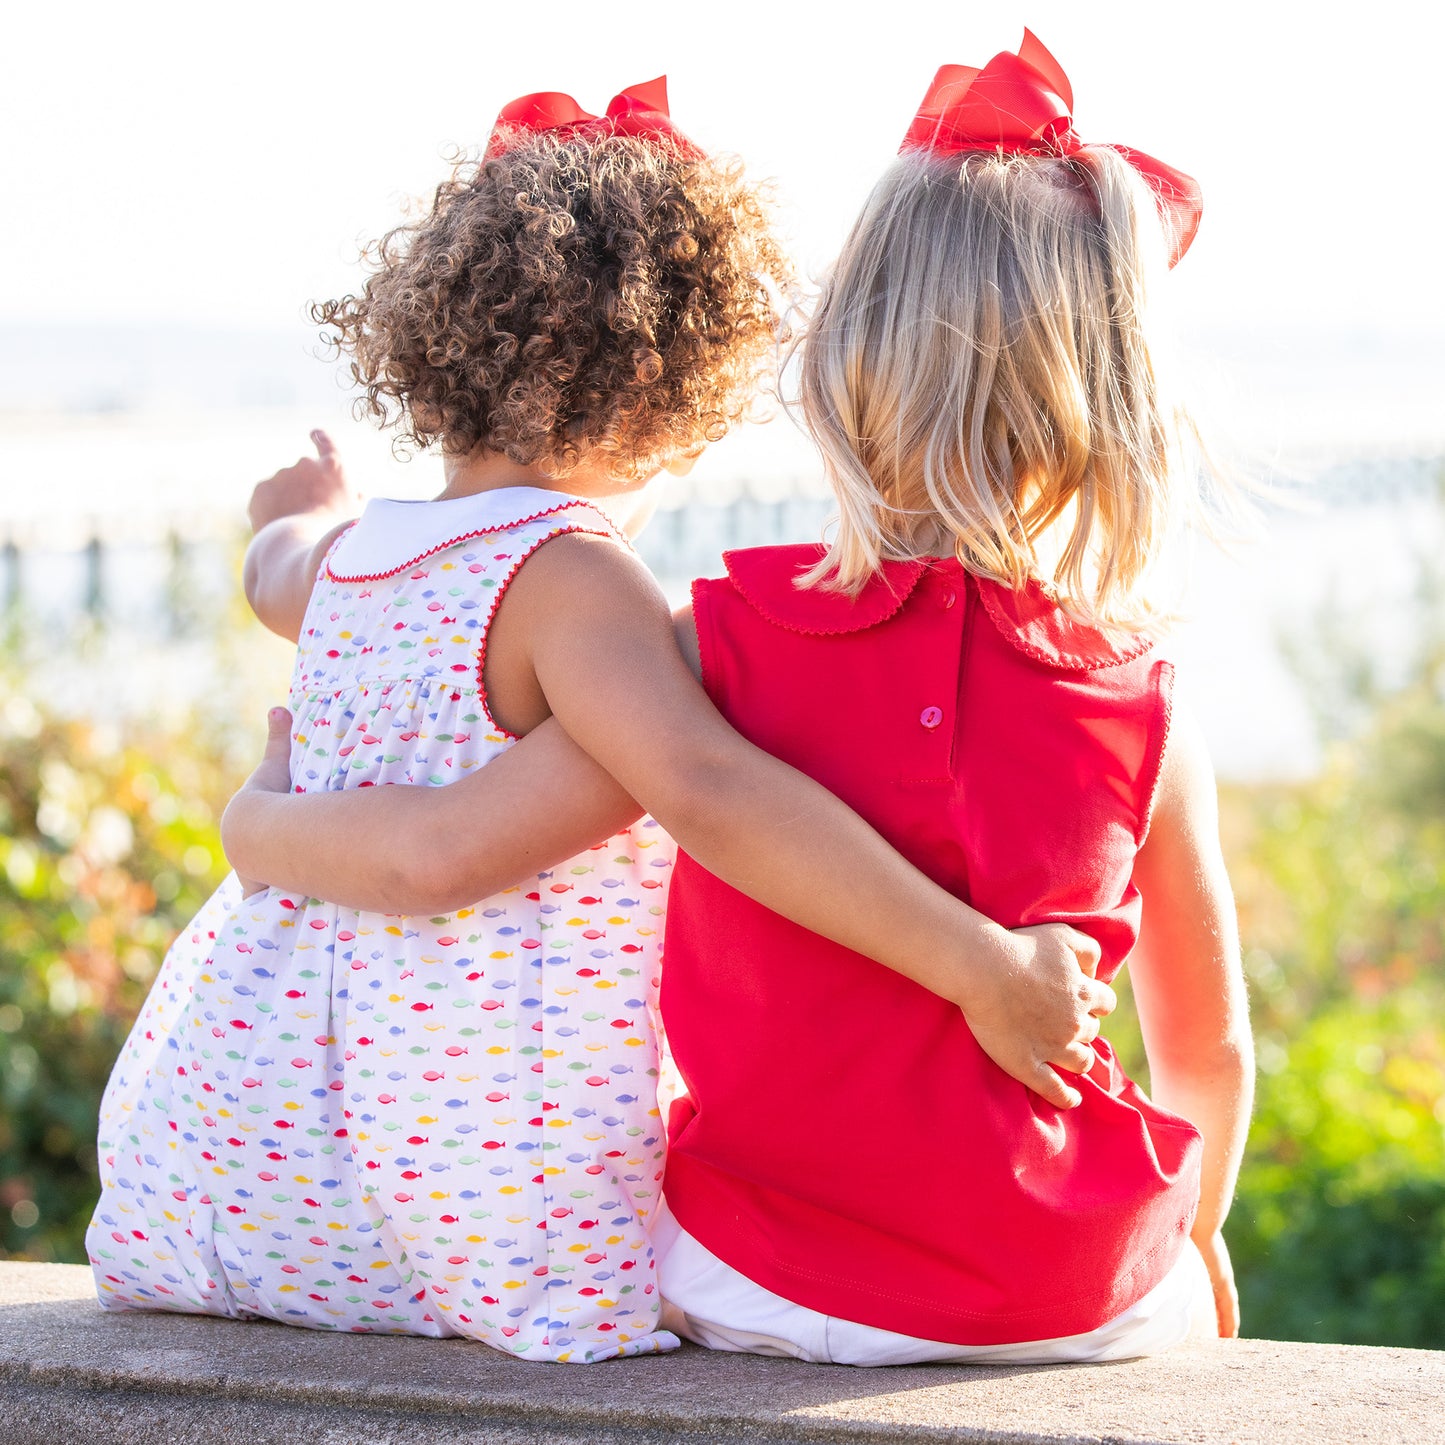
(1039, 1010)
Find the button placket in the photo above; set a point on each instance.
(941, 614)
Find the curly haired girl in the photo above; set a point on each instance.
(447, 1123)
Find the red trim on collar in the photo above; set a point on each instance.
(1029, 619)
(1040, 628)
(496, 531)
(765, 578)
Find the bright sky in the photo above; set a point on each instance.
(219, 165)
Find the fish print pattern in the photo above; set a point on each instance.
(434, 1126)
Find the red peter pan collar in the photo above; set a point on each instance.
(1029, 619)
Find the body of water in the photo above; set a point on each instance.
(124, 477)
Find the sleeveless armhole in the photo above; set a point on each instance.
(704, 623)
(1158, 742)
(323, 568)
(563, 529)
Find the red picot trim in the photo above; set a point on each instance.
(1029, 619)
(1149, 780)
(497, 594)
(816, 611)
(1050, 635)
(614, 530)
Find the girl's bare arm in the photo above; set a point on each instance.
(1189, 987)
(616, 682)
(295, 517)
(420, 850)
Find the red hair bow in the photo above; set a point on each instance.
(1022, 104)
(640, 110)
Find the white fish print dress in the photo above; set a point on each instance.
(434, 1126)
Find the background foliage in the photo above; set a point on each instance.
(108, 843)
(1338, 1226)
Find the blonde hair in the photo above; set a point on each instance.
(978, 377)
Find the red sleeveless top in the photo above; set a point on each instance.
(844, 1142)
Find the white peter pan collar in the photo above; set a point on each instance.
(391, 535)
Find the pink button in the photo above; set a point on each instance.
(930, 717)
(948, 597)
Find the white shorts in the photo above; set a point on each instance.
(709, 1302)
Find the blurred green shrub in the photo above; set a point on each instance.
(1338, 1227)
(107, 846)
(1338, 1232)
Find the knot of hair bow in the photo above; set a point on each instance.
(1023, 105)
(640, 110)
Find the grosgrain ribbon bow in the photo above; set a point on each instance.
(1023, 105)
(640, 110)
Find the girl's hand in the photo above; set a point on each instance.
(295, 516)
(272, 775)
(1221, 1276)
(313, 485)
(1040, 1010)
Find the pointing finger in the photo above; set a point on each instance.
(325, 447)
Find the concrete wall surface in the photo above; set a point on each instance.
(71, 1374)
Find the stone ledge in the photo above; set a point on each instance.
(70, 1374)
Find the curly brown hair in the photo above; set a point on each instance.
(578, 297)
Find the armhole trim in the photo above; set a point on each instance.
(703, 624)
(500, 591)
(323, 572)
(1154, 767)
